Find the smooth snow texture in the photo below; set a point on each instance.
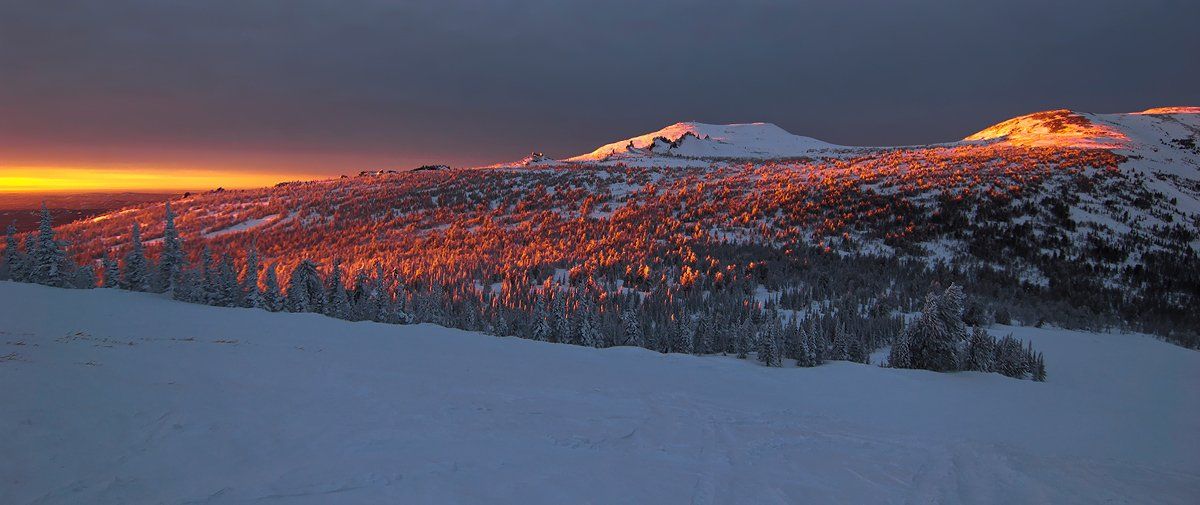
(119, 397)
(699, 140)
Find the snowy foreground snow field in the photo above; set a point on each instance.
(117, 397)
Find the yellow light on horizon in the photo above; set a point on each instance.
(47, 179)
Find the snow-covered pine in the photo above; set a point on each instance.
(228, 291)
(272, 299)
(768, 350)
(171, 261)
(207, 291)
(112, 271)
(1010, 357)
(85, 277)
(589, 332)
(542, 330)
(564, 331)
(136, 273)
(934, 337)
(839, 350)
(631, 324)
(249, 280)
(47, 258)
(900, 355)
(11, 263)
(980, 351)
(305, 292)
(338, 300)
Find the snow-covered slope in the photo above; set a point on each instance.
(699, 144)
(1065, 128)
(119, 397)
(699, 140)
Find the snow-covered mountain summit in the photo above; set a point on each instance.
(1162, 134)
(700, 140)
(1151, 128)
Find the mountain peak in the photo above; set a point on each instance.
(691, 139)
(1072, 129)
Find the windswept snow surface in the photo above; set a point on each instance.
(118, 397)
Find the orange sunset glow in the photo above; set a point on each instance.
(47, 179)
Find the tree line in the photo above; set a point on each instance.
(579, 310)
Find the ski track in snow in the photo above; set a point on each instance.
(117, 397)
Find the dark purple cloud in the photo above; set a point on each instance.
(391, 82)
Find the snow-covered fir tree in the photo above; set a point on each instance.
(207, 287)
(85, 277)
(934, 338)
(631, 324)
(47, 259)
(338, 300)
(561, 319)
(172, 260)
(112, 271)
(10, 264)
(136, 273)
(272, 299)
(839, 349)
(226, 287)
(589, 331)
(769, 349)
(249, 280)
(306, 291)
(898, 356)
(980, 351)
(541, 330)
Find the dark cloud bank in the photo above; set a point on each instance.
(473, 82)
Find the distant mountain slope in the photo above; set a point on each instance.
(1064, 128)
(1063, 232)
(699, 140)
(1143, 134)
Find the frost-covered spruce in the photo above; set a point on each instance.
(228, 291)
(112, 271)
(85, 277)
(980, 351)
(541, 329)
(47, 259)
(306, 292)
(207, 291)
(589, 332)
(172, 260)
(900, 355)
(338, 301)
(136, 273)
(10, 264)
(631, 325)
(935, 335)
(249, 282)
(272, 299)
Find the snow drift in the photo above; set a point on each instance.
(121, 397)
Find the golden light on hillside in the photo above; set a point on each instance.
(40, 179)
(1054, 128)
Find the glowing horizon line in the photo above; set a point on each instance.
(33, 179)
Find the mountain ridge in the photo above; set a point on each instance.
(686, 142)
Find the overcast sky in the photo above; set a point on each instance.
(339, 85)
